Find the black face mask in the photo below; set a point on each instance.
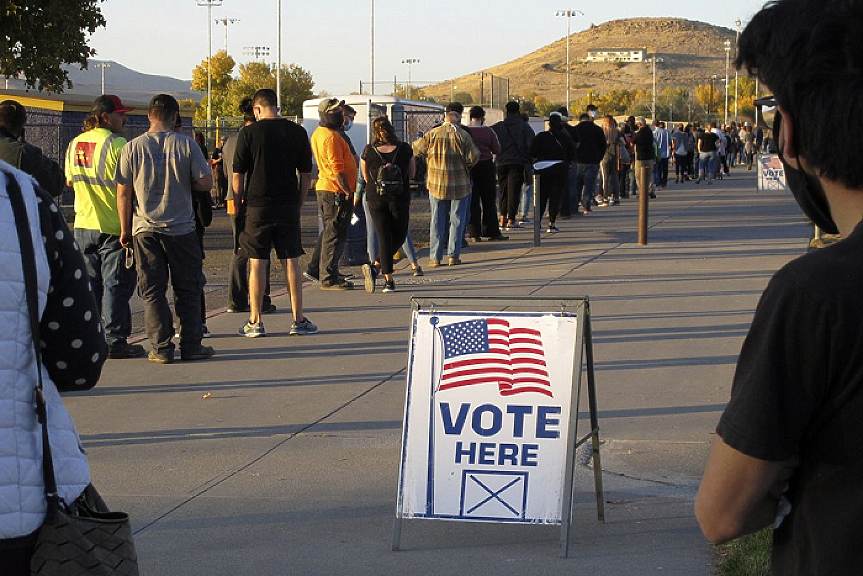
(807, 191)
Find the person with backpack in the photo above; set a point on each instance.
(387, 165)
(552, 150)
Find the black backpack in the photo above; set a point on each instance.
(389, 178)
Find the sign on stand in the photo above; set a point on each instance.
(491, 412)
(771, 173)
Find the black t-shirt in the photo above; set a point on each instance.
(708, 141)
(401, 157)
(271, 152)
(643, 141)
(798, 390)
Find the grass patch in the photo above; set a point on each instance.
(747, 556)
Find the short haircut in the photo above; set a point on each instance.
(163, 107)
(477, 112)
(348, 109)
(591, 107)
(512, 107)
(247, 110)
(455, 107)
(809, 53)
(265, 97)
(584, 116)
(13, 116)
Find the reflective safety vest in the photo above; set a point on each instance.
(91, 166)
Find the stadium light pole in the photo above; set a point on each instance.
(257, 52)
(654, 61)
(372, 49)
(737, 25)
(279, 55)
(727, 62)
(410, 62)
(209, 4)
(101, 65)
(225, 22)
(569, 14)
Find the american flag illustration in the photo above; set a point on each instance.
(489, 351)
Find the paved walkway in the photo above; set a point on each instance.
(280, 455)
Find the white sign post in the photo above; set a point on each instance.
(490, 415)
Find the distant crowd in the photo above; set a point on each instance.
(142, 206)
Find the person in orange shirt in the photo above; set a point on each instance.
(337, 180)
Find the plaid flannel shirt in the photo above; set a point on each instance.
(450, 154)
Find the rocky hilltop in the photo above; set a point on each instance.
(691, 53)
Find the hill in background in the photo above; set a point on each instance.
(691, 52)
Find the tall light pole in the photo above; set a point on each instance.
(727, 62)
(225, 22)
(372, 52)
(569, 14)
(709, 104)
(279, 55)
(737, 25)
(410, 62)
(256, 52)
(101, 65)
(655, 60)
(209, 4)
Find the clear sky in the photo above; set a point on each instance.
(332, 39)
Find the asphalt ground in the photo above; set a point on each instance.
(280, 455)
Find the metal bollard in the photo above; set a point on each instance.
(536, 213)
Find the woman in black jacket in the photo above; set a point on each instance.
(552, 150)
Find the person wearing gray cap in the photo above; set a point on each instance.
(160, 170)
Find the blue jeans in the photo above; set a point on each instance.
(113, 284)
(372, 245)
(526, 200)
(583, 187)
(456, 211)
(707, 164)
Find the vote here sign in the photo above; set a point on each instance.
(487, 416)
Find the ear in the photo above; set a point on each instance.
(785, 138)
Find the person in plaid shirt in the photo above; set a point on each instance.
(450, 153)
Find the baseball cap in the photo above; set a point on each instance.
(109, 103)
(165, 101)
(329, 105)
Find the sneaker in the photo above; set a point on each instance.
(236, 309)
(602, 204)
(652, 195)
(552, 229)
(160, 358)
(498, 238)
(614, 203)
(390, 286)
(302, 327)
(418, 271)
(524, 220)
(253, 330)
(346, 285)
(268, 308)
(512, 226)
(199, 353)
(126, 350)
(433, 263)
(369, 278)
(475, 239)
(453, 261)
(310, 278)
(205, 332)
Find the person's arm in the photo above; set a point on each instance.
(364, 170)
(305, 185)
(412, 168)
(203, 184)
(738, 494)
(124, 209)
(238, 181)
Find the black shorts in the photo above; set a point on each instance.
(268, 228)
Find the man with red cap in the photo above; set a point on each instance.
(91, 166)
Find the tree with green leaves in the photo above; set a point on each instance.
(37, 37)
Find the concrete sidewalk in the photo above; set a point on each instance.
(280, 455)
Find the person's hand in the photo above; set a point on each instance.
(126, 240)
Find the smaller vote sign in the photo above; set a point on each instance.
(487, 416)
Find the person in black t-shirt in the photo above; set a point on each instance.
(708, 143)
(390, 212)
(789, 450)
(269, 155)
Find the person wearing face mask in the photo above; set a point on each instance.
(337, 181)
(788, 448)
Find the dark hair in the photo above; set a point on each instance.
(555, 123)
(383, 132)
(246, 109)
(13, 116)
(455, 107)
(584, 116)
(809, 52)
(512, 107)
(563, 111)
(265, 97)
(348, 109)
(163, 107)
(477, 112)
